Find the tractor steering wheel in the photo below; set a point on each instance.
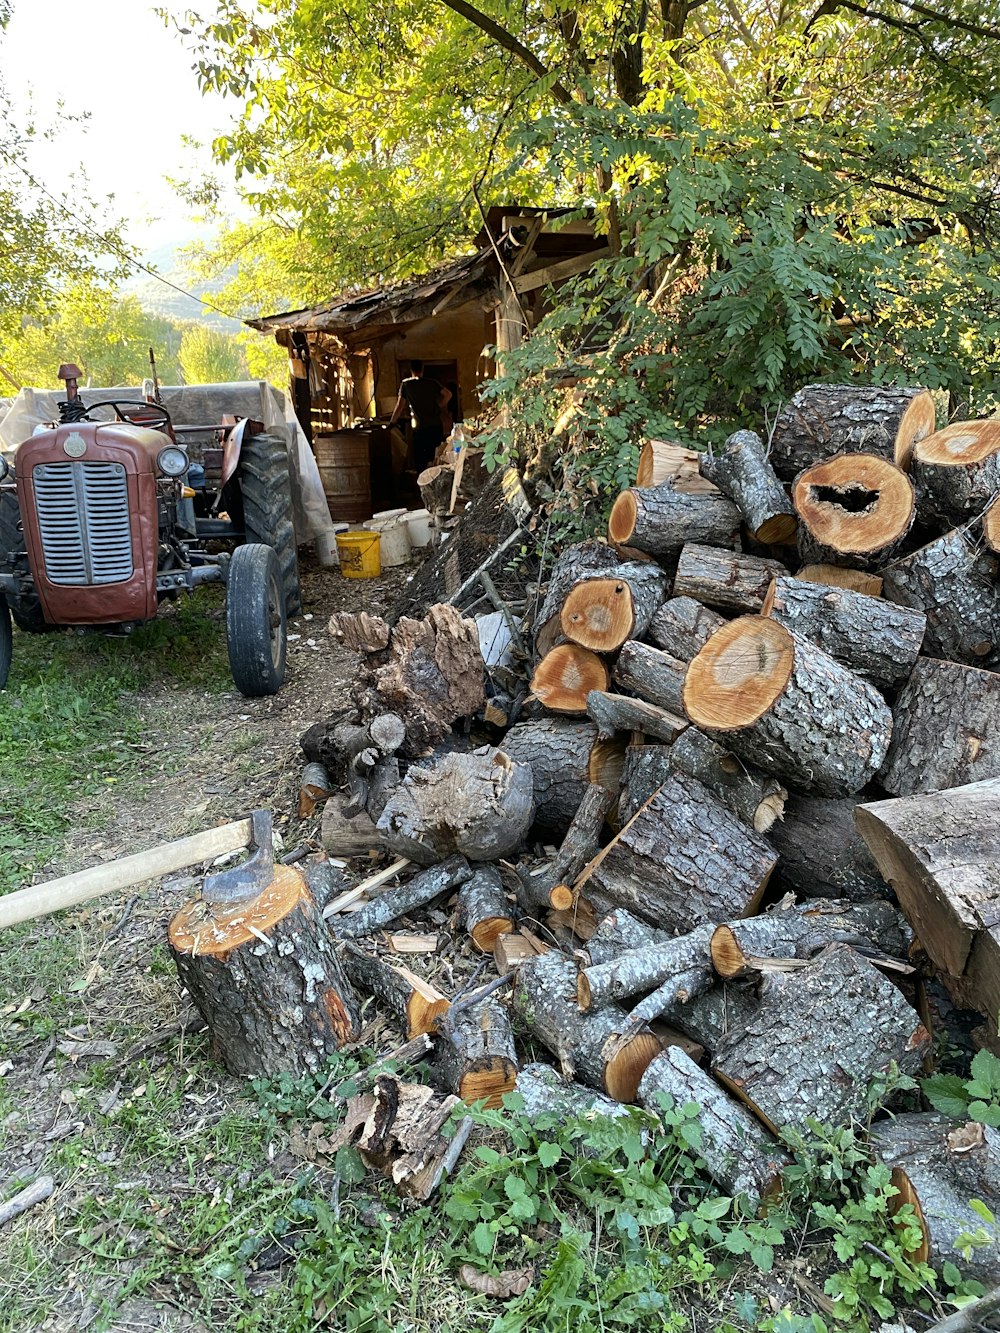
(158, 417)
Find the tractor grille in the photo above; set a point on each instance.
(83, 519)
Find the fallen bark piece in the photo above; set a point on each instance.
(422, 889)
(415, 1004)
(566, 675)
(725, 579)
(839, 576)
(660, 519)
(744, 473)
(37, 1192)
(265, 977)
(644, 771)
(594, 1048)
(854, 509)
(954, 582)
(601, 613)
(359, 631)
(346, 835)
(683, 626)
(580, 844)
(875, 639)
(801, 930)
(615, 713)
(822, 854)
(476, 804)
(739, 1154)
(544, 1093)
(784, 705)
(648, 968)
(825, 419)
(820, 1037)
(937, 1166)
(565, 757)
(620, 932)
(946, 729)
(476, 1057)
(651, 674)
(957, 470)
(754, 797)
(663, 460)
(483, 909)
(589, 559)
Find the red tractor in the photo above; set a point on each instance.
(113, 510)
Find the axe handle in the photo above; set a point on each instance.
(67, 891)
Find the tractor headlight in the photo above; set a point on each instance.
(172, 461)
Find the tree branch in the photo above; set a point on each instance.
(509, 43)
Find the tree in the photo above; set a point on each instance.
(208, 356)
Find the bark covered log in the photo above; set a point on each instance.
(802, 930)
(644, 771)
(660, 520)
(614, 713)
(651, 674)
(957, 471)
(544, 1093)
(565, 757)
(825, 419)
(589, 559)
(839, 576)
(725, 579)
(476, 1059)
(753, 796)
(744, 473)
(683, 626)
(854, 509)
(566, 675)
(420, 891)
(483, 909)
(822, 854)
(414, 1003)
(600, 613)
(686, 959)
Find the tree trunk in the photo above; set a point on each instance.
(593, 1048)
(342, 835)
(837, 576)
(954, 582)
(752, 796)
(659, 520)
(265, 977)
(683, 626)
(476, 1059)
(740, 1156)
(651, 674)
(686, 960)
(803, 929)
(583, 837)
(601, 613)
(782, 704)
(821, 1036)
(854, 509)
(565, 757)
(545, 1093)
(586, 560)
(645, 770)
(662, 461)
(957, 471)
(825, 419)
(620, 932)
(875, 639)
(414, 1003)
(478, 805)
(483, 909)
(566, 675)
(822, 854)
(725, 579)
(946, 729)
(614, 713)
(743, 473)
(389, 906)
(684, 860)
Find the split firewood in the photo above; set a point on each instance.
(478, 805)
(620, 932)
(739, 1154)
(839, 576)
(957, 471)
(265, 977)
(725, 579)
(781, 703)
(937, 1166)
(37, 1192)
(802, 930)
(583, 837)
(954, 582)
(483, 909)
(359, 631)
(565, 757)
(941, 853)
(836, 1013)
(687, 960)
(875, 639)
(651, 674)
(586, 560)
(645, 770)
(600, 613)
(822, 854)
(825, 419)
(566, 675)
(682, 626)
(544, 1093)
(682, 861)
(753, 796)
(946, 729)
(420, 891)
(662, 461)
(854, 509)
(346, 835)
(659, 519)
(362, 749)
(593, 1048)
(314, 786)
(744, 473)
(475, 1053)
(615, 713)
(415, 1004)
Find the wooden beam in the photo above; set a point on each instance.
(566, 268)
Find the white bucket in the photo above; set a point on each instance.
(395, 536)
(388, 513)
(326, 545)
(420, 526)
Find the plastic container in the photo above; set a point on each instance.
(359, 554)
(395, 548)
(421, 528)
(326, 545)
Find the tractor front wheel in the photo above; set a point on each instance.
(266, 495)
(256, 627)
(6, 641)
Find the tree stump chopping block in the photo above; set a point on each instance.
(683, 626)
(265, 976)
(957, 471)
(476, 1059)
(785, 706)
(565, 756)
(725, 579)
(825, 419)
(601, 613)
(853, 509)
(744, 473)
(660, 520)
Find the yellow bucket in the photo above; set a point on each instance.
(359, 554)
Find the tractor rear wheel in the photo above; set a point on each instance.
(256, 627)
(6, 641)
(26, 610)
(266, 492)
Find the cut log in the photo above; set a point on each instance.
(544, 1093)
(744, 474)
(566, 675)
(344, 835)
(825, 419)
(683, 626)
(476, 1059)
(822, 854)
(651, 674)
(645, 770)
(954, 582)
(754, 797)
(586, 560)
(593, 1048)
(802, 930)
(782, 704)
(601, 613)
(359, 631)
(687, 960)
(854, 509)
(421, 890)
(265, 976)
(414, 1003)
(684, 860)
(662, 460)
(957, 471)
(839, 576)
(483, 909)
(725, 579)
(946, 729)
(740, 1156)
(875, 639)
(659, 519)
(583, 837)
(565, 757)
(615, 713)
(620, 932)
(941, 853)
(478, 805)
(821, 1036)
(937, 1166)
